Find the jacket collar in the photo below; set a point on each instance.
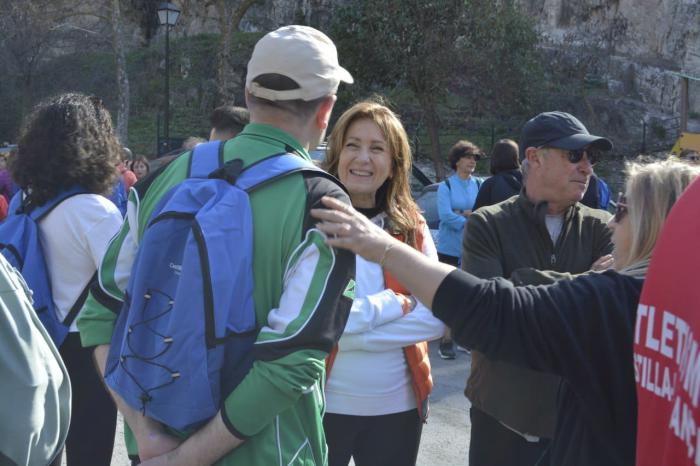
(537, 212)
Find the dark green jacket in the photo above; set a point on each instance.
(499, 240)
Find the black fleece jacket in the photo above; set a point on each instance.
(581, 330)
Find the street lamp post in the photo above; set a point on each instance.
(167, 16)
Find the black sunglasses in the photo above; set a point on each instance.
(576, 155)
(620, 208)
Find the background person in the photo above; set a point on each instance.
(513, 409)
(140, 166)
(6, 190)
(507, 180)
(191, 142)
(227, 121)
(598, 194)
(690, 156)
(128, 176)
(581, 329)
(455, 198)
(373, 413)
(69, 140)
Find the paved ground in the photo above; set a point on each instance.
(445, 437)
(445, 440)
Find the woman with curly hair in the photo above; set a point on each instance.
(68, 141)
(379, 375)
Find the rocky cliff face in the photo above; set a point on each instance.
(625, 49)
(631, 48)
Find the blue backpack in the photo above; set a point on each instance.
(183, 338)
(21, 246)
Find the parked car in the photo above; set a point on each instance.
(426, 199)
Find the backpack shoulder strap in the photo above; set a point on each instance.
(78, 304)
(205, 158)
(42, 211)
(272, 168)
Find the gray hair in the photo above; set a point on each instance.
(524, 167)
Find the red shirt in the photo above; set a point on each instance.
(667, 343)
(128, 176)
(3, 207)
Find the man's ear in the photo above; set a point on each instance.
(245, 94)
(323, 114)
(532, 156)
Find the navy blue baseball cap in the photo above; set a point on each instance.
(561, 130)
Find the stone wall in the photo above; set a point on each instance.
(626, 47)
(629, 46)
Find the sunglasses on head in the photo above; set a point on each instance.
(620, 208)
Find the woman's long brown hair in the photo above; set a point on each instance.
(394, 196)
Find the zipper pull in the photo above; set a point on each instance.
(553, 259)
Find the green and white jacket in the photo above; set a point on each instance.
(303, 293)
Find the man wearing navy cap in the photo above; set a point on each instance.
(530, 239)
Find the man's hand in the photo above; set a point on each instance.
(156, 443)
(203, 448)
(150, 435)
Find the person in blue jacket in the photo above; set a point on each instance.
(456, 197)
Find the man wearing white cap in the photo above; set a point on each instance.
(301, 300)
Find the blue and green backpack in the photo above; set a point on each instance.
(184, 335)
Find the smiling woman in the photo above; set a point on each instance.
(377, 391)
(365, 162)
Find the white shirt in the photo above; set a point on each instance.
(370, 375)
(554, 225)
(74, 237)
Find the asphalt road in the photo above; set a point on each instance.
(446, 435)
(445, 440)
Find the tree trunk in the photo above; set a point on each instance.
(122, 76)
(433, 125)
(27, 96)
(224, 73)
(229, 20)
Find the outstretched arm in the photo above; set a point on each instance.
(544, 328)
(348, 230)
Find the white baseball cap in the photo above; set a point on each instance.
(302, 54)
